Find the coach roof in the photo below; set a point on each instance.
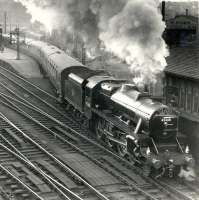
(63, 61)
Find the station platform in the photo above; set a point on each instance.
(26, 66)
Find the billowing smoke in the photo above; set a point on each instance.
(130, 29)
(134, 34)
(75, 16)
(188, 174)
(42, 12)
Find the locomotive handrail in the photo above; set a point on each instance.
(179, 145)
(138, 126)
(156, 149)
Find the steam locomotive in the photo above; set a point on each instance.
(124, 118)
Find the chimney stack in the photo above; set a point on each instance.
(163, 10)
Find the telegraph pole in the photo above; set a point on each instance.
(83, 54)
(11, 37)
(5, 22)
(1, 37)
(18, 48)
(75, 46)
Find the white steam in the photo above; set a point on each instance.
(130, 29)
(47, 13)
(135, 35)
(188, 174)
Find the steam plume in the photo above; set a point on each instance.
(130, 29)
(188, 175)
(134, 35)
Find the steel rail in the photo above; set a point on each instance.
(21, 182)
(64, 166)
(72, 145)
(175, 191)
(192, 187)
(65, 126)
(28, 82)
(54, 98)
(94, 160)
(21, 155)
(36, 96)
(62, 125)
(23, 158)
(33, 107)
(30, 106)
(4, 194)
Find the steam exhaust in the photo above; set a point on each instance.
(187, 174)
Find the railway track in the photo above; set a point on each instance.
(102, 179)
(53, 123)
(33, 162)
(101, 185)
(186, 190)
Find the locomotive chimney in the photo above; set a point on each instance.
(163, 10)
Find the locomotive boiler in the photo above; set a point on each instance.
(124, 118)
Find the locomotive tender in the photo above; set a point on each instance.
(123, 117)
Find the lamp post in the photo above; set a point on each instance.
(18, 45)
(1, 39)
(5, 22)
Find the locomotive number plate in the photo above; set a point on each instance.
(166, 119)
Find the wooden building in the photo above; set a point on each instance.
(182, 79)
(181, 90)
